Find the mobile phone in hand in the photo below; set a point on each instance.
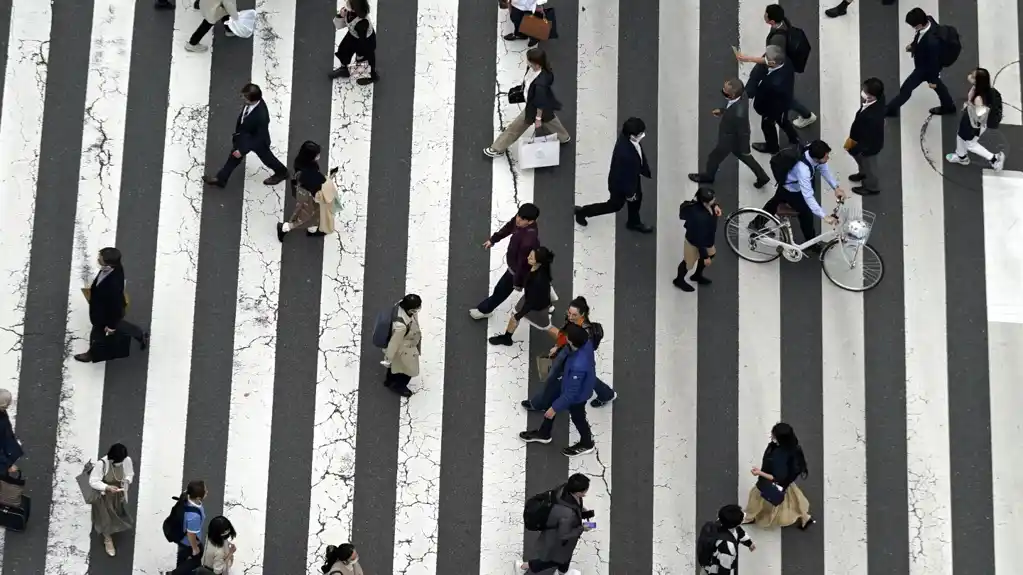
(333, 171)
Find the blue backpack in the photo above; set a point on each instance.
(382, 326)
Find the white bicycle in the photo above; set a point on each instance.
(846, 258)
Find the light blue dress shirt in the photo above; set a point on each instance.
(802, 176)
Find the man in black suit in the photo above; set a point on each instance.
(733, 136)
(251, 134)
(866, 137)
(926, 51)
(107, 305)
(771, 86)
(628, 165)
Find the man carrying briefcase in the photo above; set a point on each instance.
(111, 334)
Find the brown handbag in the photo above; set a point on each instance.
(537, 27)
(11, 489)
(543, 366)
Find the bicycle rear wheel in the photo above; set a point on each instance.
(852, 268)
(746, 226)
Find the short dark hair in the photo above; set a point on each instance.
(218, 526)
(252, 92)
(410, 302)
(818, 149)
(735, 87)
(196, 488)
(775, 13)
(633, 127)
(874, 87)
(117, 453)
(576, 335)
(528, 212)
(730, 516)
(110, 256)
(916, 17)
(577, 483)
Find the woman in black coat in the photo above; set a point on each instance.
(540, 107)
(535, 303)
(701, 216)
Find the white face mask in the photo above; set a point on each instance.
(864, 96)
(354, 561)
(638, 138)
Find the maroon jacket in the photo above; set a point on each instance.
(523, 241)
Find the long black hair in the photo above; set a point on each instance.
(360, 7)
(220, 530)
(544, 258)
(334, 554)
(117, 453)
(982, 85)
(306, 156)
(787, 440)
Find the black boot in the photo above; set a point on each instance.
(837, 11)
(680, 279)
(698, 274)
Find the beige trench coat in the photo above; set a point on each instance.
(214, 10)
(405, 346)
(325, 199)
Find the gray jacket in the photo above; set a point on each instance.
(564, 527)
(733, 127)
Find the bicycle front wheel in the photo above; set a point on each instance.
(852, 268)
(746, 227)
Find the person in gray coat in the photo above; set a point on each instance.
(733, 136)
(565, 525)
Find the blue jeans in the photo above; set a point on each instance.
(552, 385)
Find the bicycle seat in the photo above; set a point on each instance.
(785, 211)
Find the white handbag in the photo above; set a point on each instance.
(539, 152)
(244, 25)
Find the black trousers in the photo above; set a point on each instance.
(516, 16)
(202, 30)
(718, 155)
(502, 289)
(912, 82)
(770, 127)
(614, 204)
(126, 327)
(397, 380)
(186, 562)
(264, 154)
(578, 414)
(796, 201)
(365, 48)
(537, 566)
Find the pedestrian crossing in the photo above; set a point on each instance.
(261, 379)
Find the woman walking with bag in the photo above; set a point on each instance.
(343, 560)
(541, 103)
(982, 101)
(111, 477)
(360, 40)
(701, 216)
(305, 184)
(775, 500)
(406, 344)
(213, 11)
(218, 553)
(537, 296)
(517, 10)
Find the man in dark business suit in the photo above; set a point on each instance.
(866, 137)
(107, 304)
(926, 51)
(771, 86)
(251, 134)
(628, 165)
(733, 136)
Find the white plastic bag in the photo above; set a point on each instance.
(244, 26)
(539, 152)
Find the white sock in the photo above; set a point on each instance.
(312, 229)
(286, 227)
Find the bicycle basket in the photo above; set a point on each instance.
(856, 224)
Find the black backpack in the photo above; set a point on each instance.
(538, 509)
(596, 334)
(797, 46)
(382, 326)
(707, 542)
(994, 118)
(949, 44)
(786, 159)
(174, 523)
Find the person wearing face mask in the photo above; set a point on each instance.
(406, 344)
(775, 500)
(866, 137)
(251, 134)
(107, 305)
(218, 553)
(535, 304)
(541, 105)
(982, 110)
(191, 513)
(111, 477)
(772, 89)
(360, 41)
(733, 136)
(566, 523)
(701, 216)
(577, 383)
(926, 49)
(341, 560)
(628, 165)
(578, 313)
(306, 182)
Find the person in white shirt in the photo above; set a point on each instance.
(974, 122)
(343, 560)
(111, 477)
(218, 553)
(517, 10)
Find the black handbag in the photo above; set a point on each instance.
(771, 491)
(517, 94)
(109, 347)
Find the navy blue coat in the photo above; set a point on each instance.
(623, 179)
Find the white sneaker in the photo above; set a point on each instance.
(998, 162)
(477, 314)
(953, 158)
(804, 122)
(195, 47)
(518, 567)
(108, 545)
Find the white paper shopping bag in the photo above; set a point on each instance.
(539, 152)
(244, 26)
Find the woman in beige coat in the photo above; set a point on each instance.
(343, 560)
(213, 11)
(401, 356)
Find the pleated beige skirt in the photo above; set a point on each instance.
(794, 506)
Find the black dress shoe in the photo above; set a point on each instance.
(212, 181)
(701, 178)
(763, 148)
(83, 357)
(275, 179)
(939, 111)
(513, 36)
(856, 177)
(340, 72)
(280, 232)
(641, 228)
(144, 342)
(761, 183)
(579, 218)
(864, 191)
(373, 78)
(837, 11)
